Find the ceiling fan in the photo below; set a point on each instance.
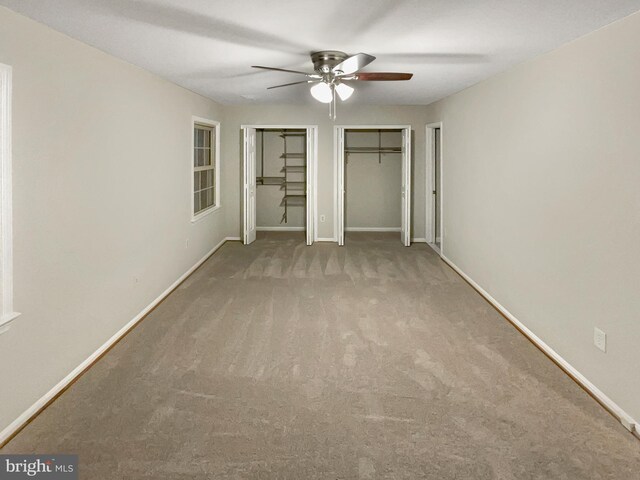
(332, 69)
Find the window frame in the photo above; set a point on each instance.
(216, 168)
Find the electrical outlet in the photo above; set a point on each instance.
(136, 280)
(186, 243)
(600, 339)
(323, 218)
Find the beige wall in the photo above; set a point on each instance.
(317, 114)
(542, 200)
(101, 158)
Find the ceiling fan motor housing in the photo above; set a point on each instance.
(325, 60)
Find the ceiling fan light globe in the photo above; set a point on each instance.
(344, 91)
(322, 92)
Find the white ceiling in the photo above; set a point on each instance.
(208, 45)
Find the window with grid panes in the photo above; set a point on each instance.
(204, 162)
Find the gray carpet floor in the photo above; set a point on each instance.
(369, 361)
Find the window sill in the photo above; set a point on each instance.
(207, 212)
(5, 321)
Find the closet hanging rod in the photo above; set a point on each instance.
(282, 135)
(373, 150)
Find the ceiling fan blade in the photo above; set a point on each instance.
(293, 83)
(382, 76)
(285, 70)
(353, 64)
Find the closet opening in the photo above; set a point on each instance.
(279, 173)
(374, 172)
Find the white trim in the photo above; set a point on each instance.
(311, 175)
(338, 176)
(312, 157)
(216, 168)
(5, 321)
(7, 314)
(249, 184)
(407, 195)
(26, 416)
(435, 248)
(277, 127)
(326, 239)
(336, 186)
(315, 183)
(419, 240)
(372, 229)
(280, 229)
(624, 418)
(375, 127)
(203, 213)
(430, 180)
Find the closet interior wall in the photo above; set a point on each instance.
(373, 180)
(281, 179)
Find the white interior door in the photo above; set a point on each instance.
(311, 162)
(249, 181)
(339, 143)
(405, 232)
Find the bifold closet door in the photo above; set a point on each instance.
(339, 145)
(249, 182)
(405, 232)
(310, 162)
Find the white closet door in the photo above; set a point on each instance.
(310, 161)
(339, 143)
(249, 173)
(405, 232)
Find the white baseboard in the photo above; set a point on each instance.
(34, 409)
(435, 248)
(6, 319)
(325, 239)
(419, 240)
(231, 239)
(372, 229)
(627, 421)
(281, 229)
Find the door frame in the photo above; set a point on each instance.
(312, 177)
(7, 314)
(338, 175)
(249, 185)
(430, 208)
